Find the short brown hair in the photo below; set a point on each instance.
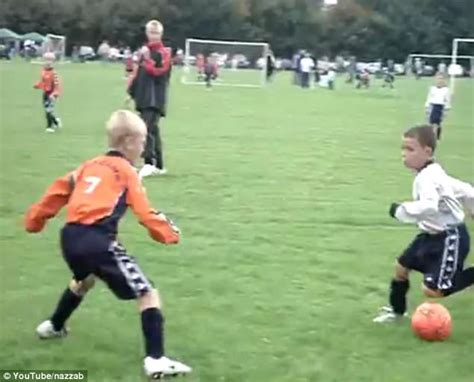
(424, 134)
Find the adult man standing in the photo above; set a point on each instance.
(148, 89)
(306, 69)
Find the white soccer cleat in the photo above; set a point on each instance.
(50, 130)
(148, 170)
(163, 367)
(59, 123)
(45, 330)
(387, 315)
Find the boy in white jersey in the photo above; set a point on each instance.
(440, 250)
(437, 103)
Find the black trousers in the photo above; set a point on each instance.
(153, 153)
(305, 77)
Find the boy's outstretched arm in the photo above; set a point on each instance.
(415, 211)
(159, 226)
(55, 197)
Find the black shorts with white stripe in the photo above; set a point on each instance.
(90, 250)
(439, 257)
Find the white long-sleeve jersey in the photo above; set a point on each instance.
(439, 96)
(438, 201)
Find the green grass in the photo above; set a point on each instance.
(287, 250)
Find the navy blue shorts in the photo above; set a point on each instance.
(90, 250)
(436, 114)
(439, 257)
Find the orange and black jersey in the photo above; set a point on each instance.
(49, 82)
(98, 194)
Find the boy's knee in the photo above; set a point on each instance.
(401, 273)
(82, 287)
(428, 292)
(149, 299)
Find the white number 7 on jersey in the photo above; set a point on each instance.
(93, 183)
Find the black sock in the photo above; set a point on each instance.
(462, 281)
(152, 326)
(438, 133)
(49, 121)
(398, 293)
(68, 302)
(52, 119)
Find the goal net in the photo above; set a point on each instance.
(56, 44)
(235, 63)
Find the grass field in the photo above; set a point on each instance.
(282, 196)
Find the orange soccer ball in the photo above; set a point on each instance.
(431, 322)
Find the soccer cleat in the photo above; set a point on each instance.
(148, 170)
(164, 367)
(45, 330)
(162, 171)
(387, 315)
(59, 123)
(50, 130)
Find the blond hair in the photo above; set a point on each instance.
(123, 124)
(154, 25)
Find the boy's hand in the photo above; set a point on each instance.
(393, 209)
(173, 226)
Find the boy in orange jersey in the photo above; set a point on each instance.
(97, 195)
(49, 83)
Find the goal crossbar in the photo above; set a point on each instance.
(224, 42)
(437, 56)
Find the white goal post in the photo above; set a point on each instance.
(56, 44)
(454, 58)
(238, 63)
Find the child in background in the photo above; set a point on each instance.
(49, 83)
(438, 103)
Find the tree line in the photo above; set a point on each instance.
(368, 29)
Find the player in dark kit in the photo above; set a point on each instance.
(440, 250)
(148, 88)
(389, 75)
(363, 79)
(97, 195)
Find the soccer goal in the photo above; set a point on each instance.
(455, 69)
(235, 63)
(449, 65)
(56, 44)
